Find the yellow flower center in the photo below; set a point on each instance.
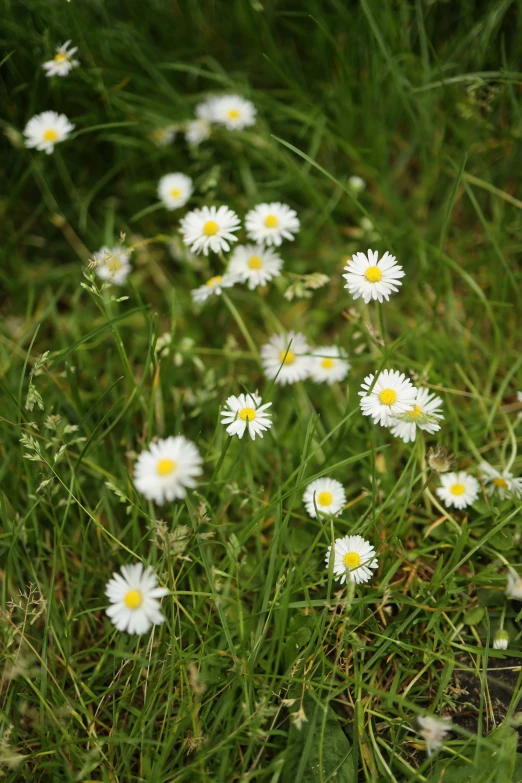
(133, 599)
(114, 265)
(233, 114)
(457, 489)
(324, 498)
(214, 281)
(210, 228)
(271, 221)
(415, 412)
(388, 396)
(327, 364)
(373, 274)
(501, 483)
(165, 466)
(287, 357)
(50, 135)
(351, 559)
(60, 57)
(255, 262)
(176, 193)
(247, 414)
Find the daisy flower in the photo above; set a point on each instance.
(357, 184)
(113, 264)
(232, 111)
(329, 364)
(45, 130)
(514, 586)
(255, 265)
(500, 481)
(133, 595)
(501, 640)
(458, 489)
(371, 278)
(287, 357)
(197, 131)
(271, 223)
(391, 394)
(205, 110)
(209, 228)
(161, 137)
(175, 190)
(213, 287)
(353, 559)
(167, 468)
(246, 411)
(62, 62)
(433, 731)
(325, 494)
(425, 414)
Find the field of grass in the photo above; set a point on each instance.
(266, 668)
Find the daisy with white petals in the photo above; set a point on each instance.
(209, 228)
(326, 495)
(134, 599)
(175, 190)
(458, 489)
(205, 110)
(246, 411)
(502, 482)
(62, 62)
(167, 468)
(162, 137)
(45, 130)
(425, 414)
(514, 586)
(391, 394)
(197, 131)
(255, 265)
(112, 264)
(232, 111)
(271, 223)
(433, 731)
(287, 357)
(328, 364)
(354, 557)
(371, 278)
(213, 287)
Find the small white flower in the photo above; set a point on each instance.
(232, 111)
(62, 62)
(501, 482)
(433, 731)
(271, 223)
(246, 411)
(45, 130)
(371, 278)
(353, 559)
(167, 468)
(391, 394)
(357, 184)
(209, 228)
(162, 137)
(133, 596)
(255, 265)
(175, 190)
(113, 265)
(514, 586)
(197, 131)
(213, 287)
(501, 640)
(205, 110)
(328, 364)
(287, 357)
(458, 489)
(325, 494)
(425, 414)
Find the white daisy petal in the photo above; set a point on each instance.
(391, 394)
(167, 469)
(134, 607)
(326, 495)
(271, 223)
(213, 287)
(232, 111)
(174, 190)
(458, 489)
(45, 130)
(424, 414)
(114, 265)
(353, 559)
(370, 278)
(62, 62)
(287, 357)
(502, 482)
(328, 364)
(197, 131)
(254, 264)
(245, 411)
(209, 228)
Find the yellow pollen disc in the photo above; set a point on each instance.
(214, 281)
(500, 482)
(60, 57)
(373, 274)
(415, 412)
(114, 265)
(247, 414)
(176, 193)
(210, 228)
(165, 466)
(324, 498)
(50, 135)
(388, 396)
(271, 221)
(327, 364)
(233, 114)
(133, 599)
(255, 262)
(351, 559)
(457, 489)
(287, 357)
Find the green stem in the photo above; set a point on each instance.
(242, 327)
